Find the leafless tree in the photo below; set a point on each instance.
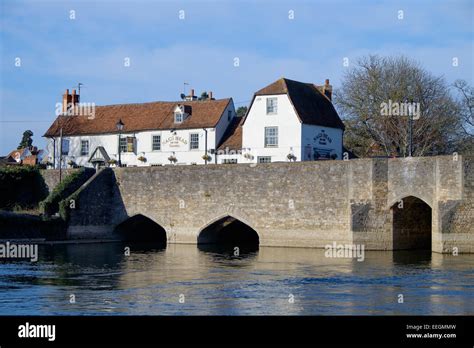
(377, 80)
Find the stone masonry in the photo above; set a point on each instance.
(302, 204)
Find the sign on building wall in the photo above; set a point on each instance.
(175, 141)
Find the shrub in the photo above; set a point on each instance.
(68, 186)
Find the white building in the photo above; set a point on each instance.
(286, 121)
(156, 133)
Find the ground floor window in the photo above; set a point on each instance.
(127, 144)
(264, 159)
(194, 141)
(156, 143)
(271, 136)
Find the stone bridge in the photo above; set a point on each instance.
(384, 204)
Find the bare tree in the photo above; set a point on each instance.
(466, 105)
(376, 82)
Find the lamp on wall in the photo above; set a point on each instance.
(119, 126)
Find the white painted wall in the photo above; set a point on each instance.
(176, 144)
(289, 130)
(293, 136)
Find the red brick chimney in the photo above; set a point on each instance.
(70, 101)
(327, 89)
(210, 95)
(67, 99)
(192, 93)
(74, 99)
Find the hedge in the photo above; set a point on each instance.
(21, 187)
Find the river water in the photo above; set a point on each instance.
(187, 280)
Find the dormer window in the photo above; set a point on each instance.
(180, 114)
(178, 117)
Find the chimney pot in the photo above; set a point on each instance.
(327, 89)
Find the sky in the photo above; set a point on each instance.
(48, 46)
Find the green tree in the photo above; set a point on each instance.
(241, 111)
(204, 96)
(26, 140)
(376, 81)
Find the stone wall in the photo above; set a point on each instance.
(302, 204)
(51, 176)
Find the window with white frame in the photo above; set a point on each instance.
(156, 142)
(178, 117)
(271, 136)
(84, 147)
(272, 106)
(264, 159)
(194, 141)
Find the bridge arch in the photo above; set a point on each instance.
(402, 196)
(412, 220)
(141, 228)
(228, 229)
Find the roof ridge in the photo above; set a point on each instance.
(168, 102)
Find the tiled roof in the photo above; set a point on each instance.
(312, 106)
(30, 160)
(140, 117)
(232, 139)
(17, 153)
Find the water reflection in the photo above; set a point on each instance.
(191, 280)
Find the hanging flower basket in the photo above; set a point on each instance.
(172, 159)
(248, 156)
(142, 159)
(291, 157)
(112, 161)
(206, 158)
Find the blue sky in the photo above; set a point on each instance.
(165, 51)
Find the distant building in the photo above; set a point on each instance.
(25, 156)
